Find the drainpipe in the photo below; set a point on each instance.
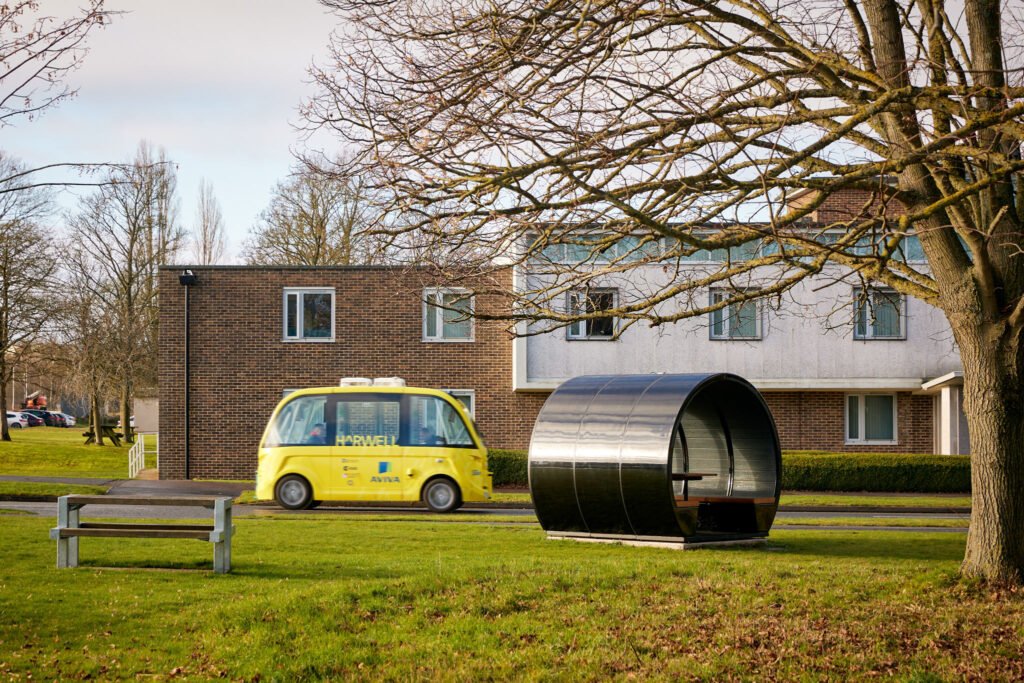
(187, 279)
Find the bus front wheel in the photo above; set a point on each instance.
(293, 492)
(442, 495)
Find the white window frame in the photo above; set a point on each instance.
(300, 292)
(861, 440)
(470, 393)
(858, 292)
(727, 318)
(583, 336)
(430, 292)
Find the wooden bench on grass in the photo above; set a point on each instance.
(107, 431)
(70, 527)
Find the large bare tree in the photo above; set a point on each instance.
(648, 130)
(28, 264)
(315, 218)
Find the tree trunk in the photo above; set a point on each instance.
(126, 400)
(5, 429)
(994, 405)
(97, 420)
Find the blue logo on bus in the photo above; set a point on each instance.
(383, 467)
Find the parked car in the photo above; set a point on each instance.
(50, 419)
(69, 420)
(33, 420)
(131, 421)
(16, 421)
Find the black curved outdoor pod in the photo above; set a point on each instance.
(680, 458)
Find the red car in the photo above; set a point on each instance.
(33, 420)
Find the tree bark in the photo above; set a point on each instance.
(126, 399)
(5, 429)
(97, 420)
(994, 405)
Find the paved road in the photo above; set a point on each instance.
(155, 512)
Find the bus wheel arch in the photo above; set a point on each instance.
(441, 494)
(293, 492)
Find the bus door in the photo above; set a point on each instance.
(367, 437)
(435, 428)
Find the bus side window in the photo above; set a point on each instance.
(301, 422)
(367, 421)
(435, 422)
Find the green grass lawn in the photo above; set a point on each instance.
(876, 521)
(60, 452)
(347, 598)
(843, 499)
(28, 488)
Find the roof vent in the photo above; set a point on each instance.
(388, 382)
(355, 382)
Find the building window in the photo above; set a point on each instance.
(741, 320)
(447, 315)
(871, 419)
(587, 302)
(308, 314)
(879, 314)
(467, 397)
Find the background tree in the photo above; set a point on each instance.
(87, 330)
(315, 218)
(646, 131)
(28, 264)
(126, 230)
(208, 234)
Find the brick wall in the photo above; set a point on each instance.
(240, 365)
(846, 205)
(815, 420)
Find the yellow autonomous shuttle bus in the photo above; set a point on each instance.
(375, 440)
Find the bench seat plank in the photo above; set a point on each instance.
(169, 527)
(691, 476)
(183, 501)
(135, 533)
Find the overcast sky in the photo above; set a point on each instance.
(217, 83)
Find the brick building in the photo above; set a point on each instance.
(835, 378)
(242, 357)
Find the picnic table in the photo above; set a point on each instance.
(70, 527)
(106, 431)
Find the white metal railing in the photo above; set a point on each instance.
(139, 450)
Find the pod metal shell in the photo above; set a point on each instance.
(656, 457)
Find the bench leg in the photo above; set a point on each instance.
(67, 548)
(221, 558)
(222, 548)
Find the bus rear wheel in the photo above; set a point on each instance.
(293, 492)
(442, 495)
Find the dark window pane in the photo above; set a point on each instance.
(878, 422)
(316, 320)
(853, 417)
(291, 315)
(743, 320)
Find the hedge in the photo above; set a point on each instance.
(507, 467)
(820, 471)
(905, 472)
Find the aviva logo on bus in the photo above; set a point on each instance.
(384, 468)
